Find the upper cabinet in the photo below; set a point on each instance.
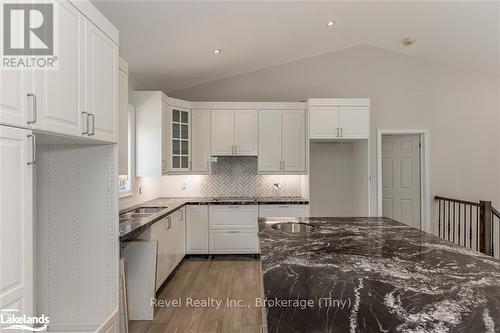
(339, 118)
(180, 139)
(284, 135)
(200, 130)
(78, 99)
(234, 132)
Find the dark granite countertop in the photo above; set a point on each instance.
(375, 275)
(133, 227)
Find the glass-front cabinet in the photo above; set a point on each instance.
(180, 139)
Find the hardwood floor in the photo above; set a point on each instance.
(201, 280)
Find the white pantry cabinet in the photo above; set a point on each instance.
(200, 134)
(339, 118)
(16, 219)
(234, 132)
(80, 98)
(196, 229)
(282, 134)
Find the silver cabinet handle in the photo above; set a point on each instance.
(33, 149)
(86, 122)
(232, 149)
(236, 149)
(233, 231)
(169, 222)
(33, 96)
(341, 132)
(190, 164)
(337, 132)
(284, 166)
(93, 123)
(284, 206)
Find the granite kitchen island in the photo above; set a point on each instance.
(374, 275)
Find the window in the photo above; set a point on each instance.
(126, 181)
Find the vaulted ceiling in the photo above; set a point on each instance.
(169, 45)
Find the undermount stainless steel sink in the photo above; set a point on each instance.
(293, 227)
(140, 213)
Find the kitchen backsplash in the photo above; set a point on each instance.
(237, 177)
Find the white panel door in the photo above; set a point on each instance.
(270, 137)
(245, 132)
(16, 107)
(354, 122)
(323, 122)
(200, 143)
(222, 132)
(401, 178)
(101, 84)
(60, 93)
(197, 229)
(294, 140)
(16, 220)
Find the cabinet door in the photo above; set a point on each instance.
(181, 249)
(354, 122)
(270, 137)
(197, 229)
(181, 139)
(294, 140)
(200, 120)
(233, 241)
(16, 221)
(323, 122)
(101, 84)
(16, 106)
(222, 132)
(245, 132)
(172, 240)
(158, 233)
(60, 93)
(124, 124)
(283, 210)
(166, 114)
(230, 216)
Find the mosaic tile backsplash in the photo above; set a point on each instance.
(237, 177)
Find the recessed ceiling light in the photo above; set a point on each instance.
(330, 23)
(408, 41)
(217, 51)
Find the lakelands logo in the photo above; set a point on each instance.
(29, 31)
(10, 319)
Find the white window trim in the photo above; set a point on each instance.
(131, 154)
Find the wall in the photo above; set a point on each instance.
(460, 107)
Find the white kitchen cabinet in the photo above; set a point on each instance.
(159, 234)
(16, 106)
(180, 139)
(284, 135)
(234, 132)
(101, 84)
(16, 220)
(245, 132)
(123, 119)
(59, 94)
(281, 210)
(233, 216)
(339, 119)
(180, 219)
(151, 126)
(172, 242)
(222, 132)
(233, 241)
(200, 131)
(196, 229)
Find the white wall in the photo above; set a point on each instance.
(458, 106)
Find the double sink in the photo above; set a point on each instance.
(140, 213)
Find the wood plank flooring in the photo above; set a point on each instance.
(203, 279)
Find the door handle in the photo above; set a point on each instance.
(341, 132)
(93, 123)
(233, 231)
(337, 132)
(33, 149)
(33, 96)
(86, 122)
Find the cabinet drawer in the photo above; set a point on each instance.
(230, 216)
(233, 241)
(283, 210)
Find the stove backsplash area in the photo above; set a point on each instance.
(238, 177)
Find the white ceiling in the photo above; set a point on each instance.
(169, 44)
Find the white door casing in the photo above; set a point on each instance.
(401, 179)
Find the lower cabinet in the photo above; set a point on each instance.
(233, 241)
(197, 229)
(283, 210)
